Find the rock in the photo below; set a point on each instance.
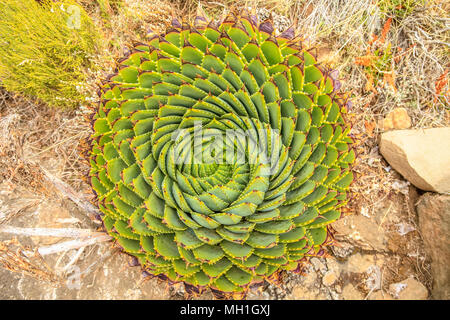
(318, 265)
(257, 295)
(326, 55)
(396, 119)
(369, 267)
(310, 276)
(361, 231)
(302, 293)
(359, 263)
(373, 281)
(350, 293)
(329, 278)
(333, 265)
(434, 223)
(99, 275)
(342, 249)
(51, 215)
(421, 156)
(308, 285)
(380, 295)
(409, 289)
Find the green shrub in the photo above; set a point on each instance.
(399, 8)
(45, 50)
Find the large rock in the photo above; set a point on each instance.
(409, 289)
(359, 263)
(351, 293)
(380, 295)
(360, 231)
(422, 156)
(434, 223)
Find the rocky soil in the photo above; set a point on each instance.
(100, 272)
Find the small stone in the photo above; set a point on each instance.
(361, 231)
(396, 119)
(373, 281)
(334, 295)
(350, 293)
(318, 265)
(409, 289)
(333, 265)
(359, 263)
(329, 278)
(342, 249)
(310, 277)
(434, 223)
(380, 295)
(404, 228)
(421, 156)
(303, 293)
(326, 55)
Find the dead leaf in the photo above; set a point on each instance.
(369, 83)
(440, 84)
(370, 127)
(366, 60)
(389, 78)
(384, 32)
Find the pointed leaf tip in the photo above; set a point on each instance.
(289, 33)
(267, 27)
(176, 23)
(201, 19)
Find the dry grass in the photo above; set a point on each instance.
(14, 259)
(129, 21)
(33, 135)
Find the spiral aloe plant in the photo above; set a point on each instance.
(220, 153)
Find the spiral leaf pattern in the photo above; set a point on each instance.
(220, 154)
